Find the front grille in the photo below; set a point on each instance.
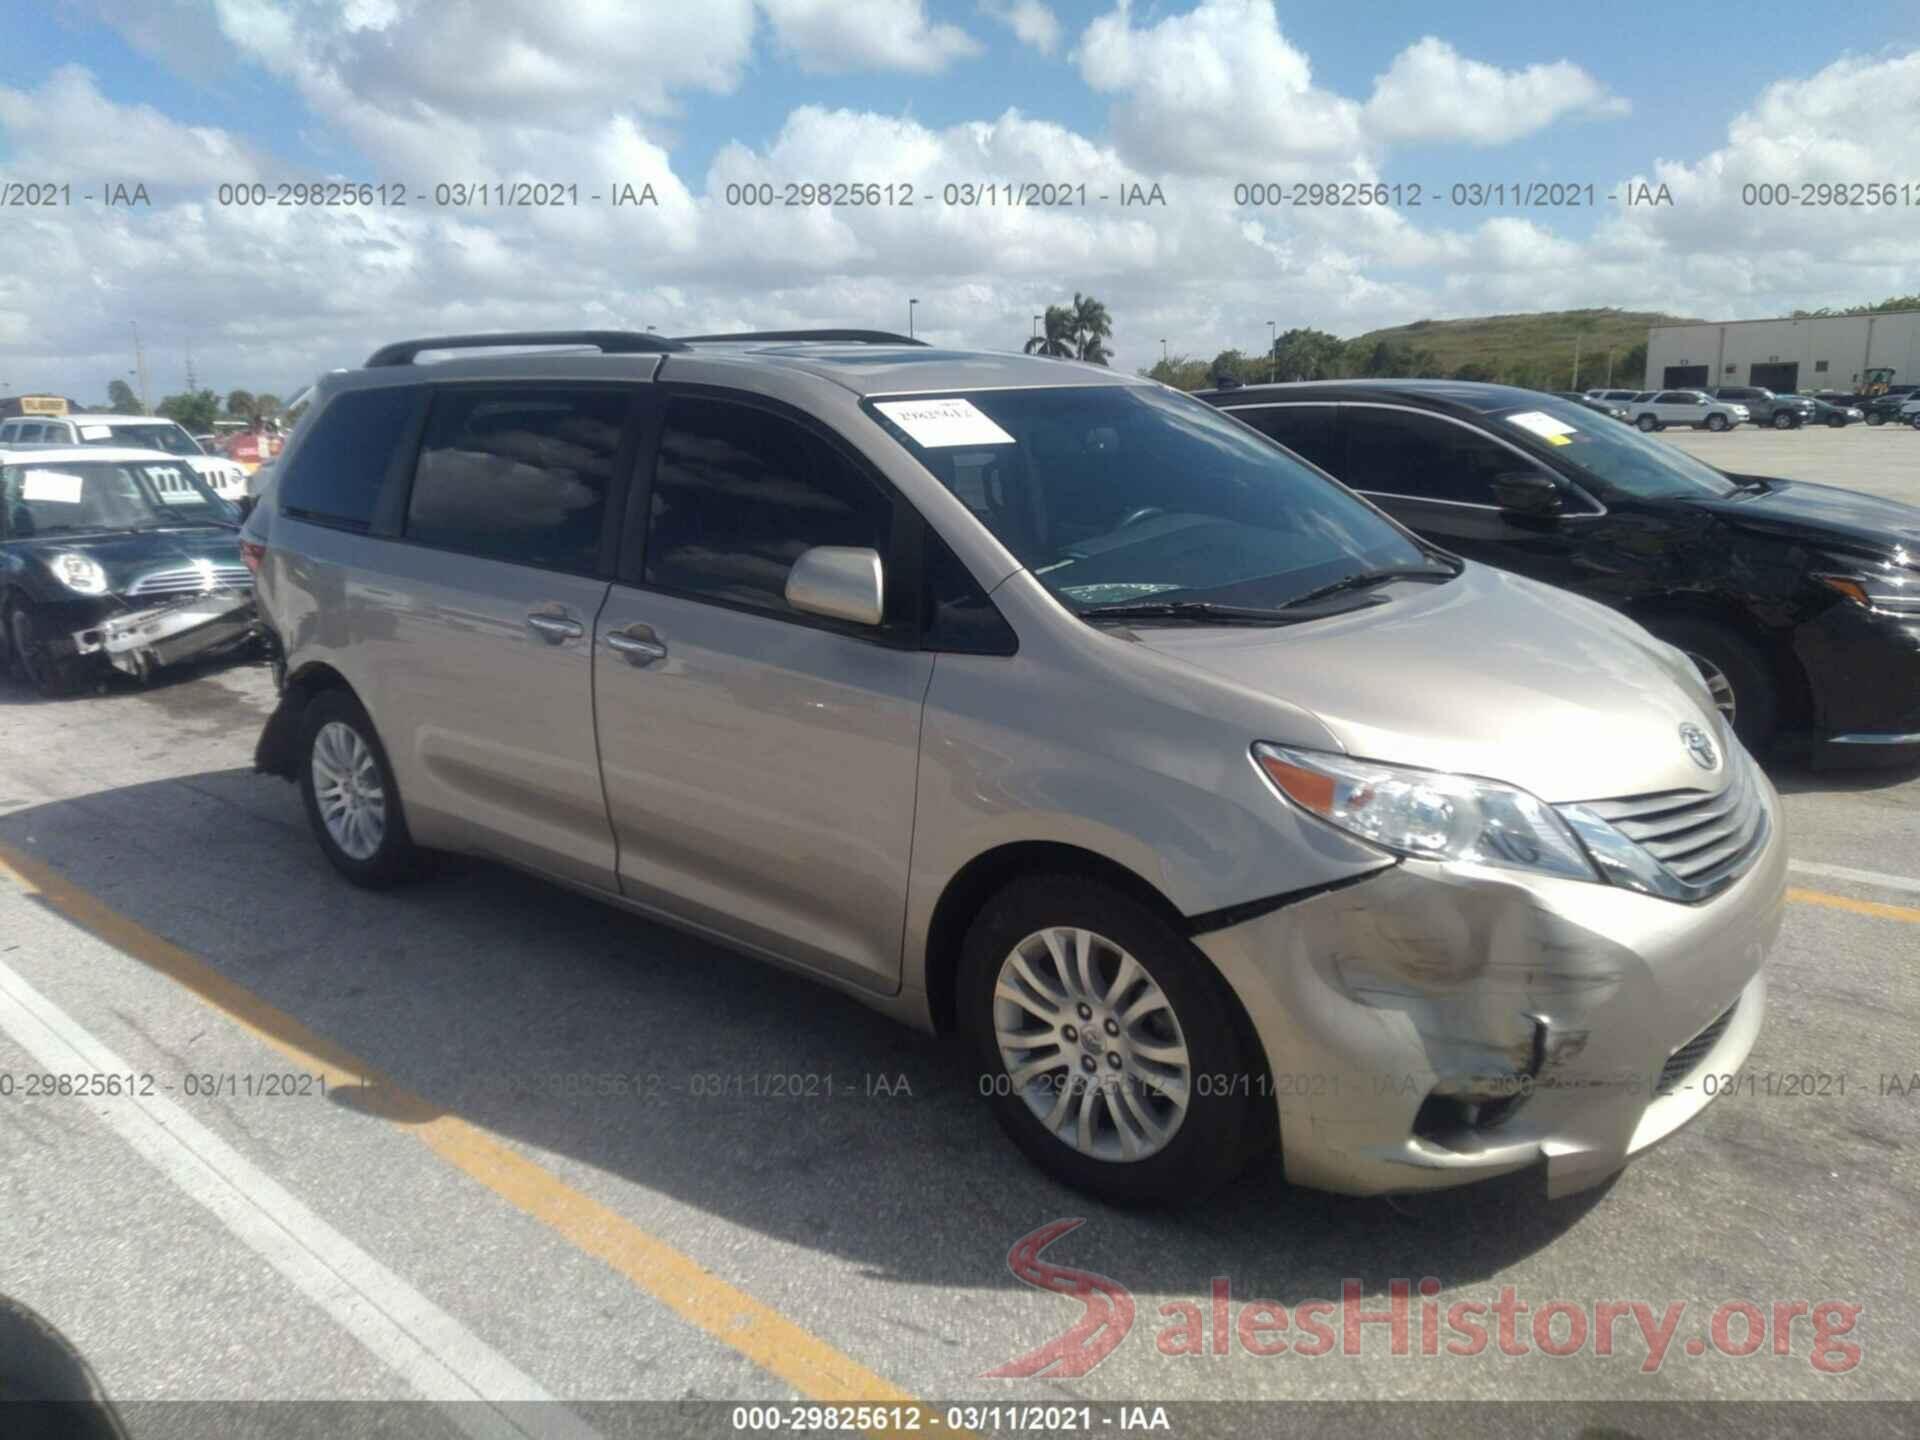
(1707, 840)
(191, 580)
(1680, 1064)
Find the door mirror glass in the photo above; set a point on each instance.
(1527, 492)
(841, 582)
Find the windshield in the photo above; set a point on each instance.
(1111, 494)
(105, 495)
(162, 435)
(1618, 458)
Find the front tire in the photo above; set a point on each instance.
(1876, 419)
(27, 647)
(1737, 673)
(1106, 1043)
(1784, 421)
(1647, 424)
(352, 801)
(1716, 423)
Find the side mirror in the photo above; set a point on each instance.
(245, 505)
(1527, 492)
(841, 582)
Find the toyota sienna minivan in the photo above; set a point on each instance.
(1016, 697)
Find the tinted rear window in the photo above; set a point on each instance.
(336, 476)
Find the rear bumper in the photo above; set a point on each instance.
(1440, 1024)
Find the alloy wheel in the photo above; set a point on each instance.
(1718, 685)
(1091, 1044)
(348, 788)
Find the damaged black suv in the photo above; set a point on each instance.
(114, 558)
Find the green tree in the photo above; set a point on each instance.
(1056, 334)
(1092, 328)
(1183, 372)
(241, 404)
(121, 400)
(1306, 354)
(196, 409)
(266, 404)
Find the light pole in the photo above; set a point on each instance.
(1609, 367)
(1273, 355)
(910, 305)
(1163, 350)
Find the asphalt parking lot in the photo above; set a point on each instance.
(561, 1153)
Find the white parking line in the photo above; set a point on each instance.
(425, 1346)
(1858, 877)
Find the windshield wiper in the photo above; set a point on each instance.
(1203, 610)
(1361, 579)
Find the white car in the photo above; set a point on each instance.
(142, 432)
(1661, 408)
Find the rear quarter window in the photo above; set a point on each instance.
(337, 475)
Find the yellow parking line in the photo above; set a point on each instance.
(1859, 907)
(806, 1362)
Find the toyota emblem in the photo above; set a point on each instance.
(1700, 746)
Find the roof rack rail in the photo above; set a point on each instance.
(608, 342)
(854, 337)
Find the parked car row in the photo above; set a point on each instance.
(140, 432)
(1731, 405)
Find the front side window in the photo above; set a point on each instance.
(518, 473)
(69, 497)
(1112, 494)
(739, 492)
(1424, 457)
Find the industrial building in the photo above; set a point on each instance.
(1826, 352)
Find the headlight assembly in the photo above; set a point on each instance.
(79, 572)
(1884, 586)
(1428, 814)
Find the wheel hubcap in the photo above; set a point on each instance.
(1134, 1076)
(346, 783)
(1718, 685)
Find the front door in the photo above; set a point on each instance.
(759, 762)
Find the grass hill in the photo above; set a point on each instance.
(1540, 344)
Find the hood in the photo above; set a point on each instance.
(1489, 675)
(127, 555)
(1802, 510)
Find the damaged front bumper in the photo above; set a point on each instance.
(139, 641)
(1436, 1024)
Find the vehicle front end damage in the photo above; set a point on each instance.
(138, 641)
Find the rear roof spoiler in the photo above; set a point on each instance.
(608, 342)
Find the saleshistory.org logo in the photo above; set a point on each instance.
(1462, 1328)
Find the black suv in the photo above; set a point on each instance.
(1764, 407)
(1800, 603)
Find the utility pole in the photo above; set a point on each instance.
(1163, 350)
(1576, 361)
(1273, 352)
(910, 305)
(140, 368)
(1609, 367)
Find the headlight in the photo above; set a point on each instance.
(1893, 589)
(78, 572)
(1427, 814)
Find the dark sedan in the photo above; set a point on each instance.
(114, 558)
(1605, 407)
(1800, 603)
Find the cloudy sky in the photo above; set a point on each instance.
(185, 96)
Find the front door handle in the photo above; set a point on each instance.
(555, 629)
(637, 644)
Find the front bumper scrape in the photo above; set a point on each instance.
(140, 641)
(1438, 1024)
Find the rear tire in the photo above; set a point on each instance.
(1836, 422)
(1728, 659)
(1098, 1105)
(352, 801)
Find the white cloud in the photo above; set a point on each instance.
(836, 36)
(1222, 71)
(67, 128)
(1032, 22)
(1432, 93)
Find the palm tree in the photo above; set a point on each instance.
(1057, 337)
(1091, 325)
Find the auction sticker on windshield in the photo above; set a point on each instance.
(50, 485)
(1554, 432)
(96, 432)
(942, 423)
